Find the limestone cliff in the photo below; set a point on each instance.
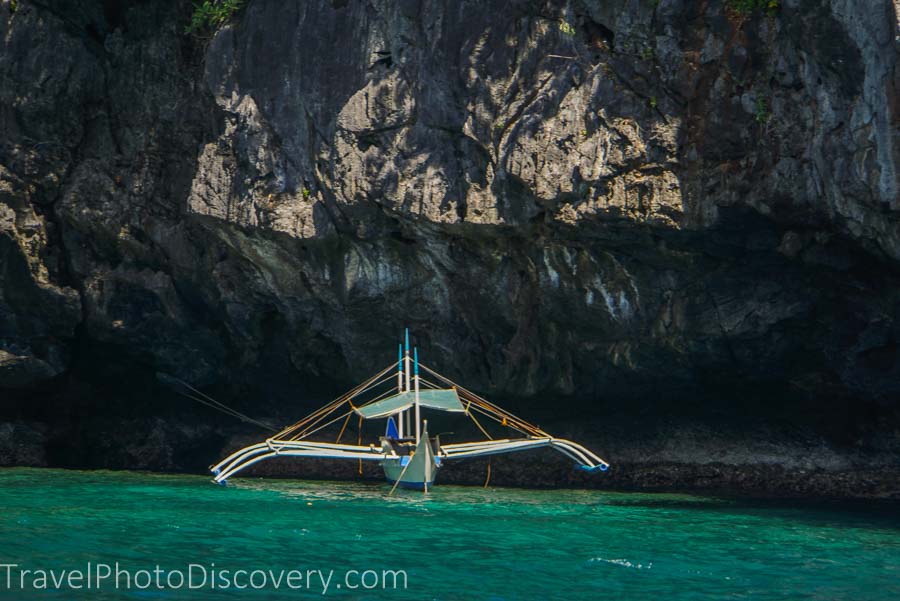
(647, 222)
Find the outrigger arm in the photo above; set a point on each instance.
(270, 449)
(585, 459)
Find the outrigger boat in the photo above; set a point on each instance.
(410, 457)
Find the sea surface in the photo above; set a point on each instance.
(452, 544)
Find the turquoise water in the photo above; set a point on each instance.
(454, 544)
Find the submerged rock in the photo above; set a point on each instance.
(655, 209)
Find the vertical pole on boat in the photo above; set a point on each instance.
(407, 361)
(400, 387)
(408, 388)
(400, 369)
(418, 422)
(428, 458)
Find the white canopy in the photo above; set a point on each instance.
(441, 399)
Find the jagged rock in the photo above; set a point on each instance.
(648, 208)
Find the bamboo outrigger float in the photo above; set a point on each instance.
(410, 457)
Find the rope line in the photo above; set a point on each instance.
(205, 399)
(324, 412)
(344, 427)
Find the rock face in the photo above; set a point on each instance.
(639, 220)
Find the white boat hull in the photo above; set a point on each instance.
(416, 470)
(410, 476)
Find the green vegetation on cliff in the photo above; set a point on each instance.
(212, 14)
(746, 7)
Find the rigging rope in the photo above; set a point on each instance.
(325, 411)
(309, 429)
(402, 473)
(205, 399)
(322, 427)
(487, 408)
(483, 431)
(344, 427)
(359, 440)
(480, 400)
